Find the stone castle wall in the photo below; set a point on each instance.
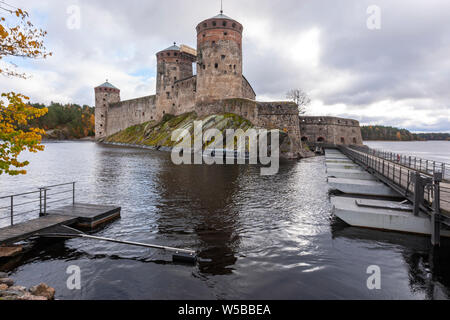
(185, 91)
(125, 114)
(247, 90)
(330, 130)
(269, 115)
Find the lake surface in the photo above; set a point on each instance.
(257, 237)
(430, 150)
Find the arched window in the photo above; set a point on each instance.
(304, 139)
(321, 139)
(343, 140)
(354, 141)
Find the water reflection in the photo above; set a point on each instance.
(200, 201)
(258, 237)
(427, 267)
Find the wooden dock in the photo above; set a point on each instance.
(79, 215)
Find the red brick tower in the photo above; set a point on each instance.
(219, 59)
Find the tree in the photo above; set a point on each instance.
(300, 98)
(16, 134)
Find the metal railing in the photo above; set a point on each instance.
(429, 167)
(19, 207)
(399, 177)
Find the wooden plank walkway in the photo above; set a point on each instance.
(27, 229)
(81, 215)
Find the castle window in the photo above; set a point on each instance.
(225, 33)
(168, 95)
(175, 78)
(176, 54)
(304, 139)
(234, 67)
(103, 115)
(343, 140)
(216, 65)
(213, 42)
(234, 25)
(204, 35)
(205, 25)
(354, 141)
(224, 23)
(223, 57)
(168, 54)
(204, 67)
(214, 23)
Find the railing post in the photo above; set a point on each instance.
(40, 203)
(12, 210)
(73, 193)
(436, 215)
(45, 202)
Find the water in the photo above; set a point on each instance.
(257, 237)
(429, 150)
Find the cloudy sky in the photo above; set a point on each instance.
(396, 75)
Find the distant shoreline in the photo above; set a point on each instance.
(405, 140)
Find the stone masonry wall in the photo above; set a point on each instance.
(330, 130)
(125, 114)
(273, 115)
(247, 90)
(184, 92)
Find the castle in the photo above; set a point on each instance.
(218, 86)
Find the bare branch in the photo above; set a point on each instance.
(300, 98)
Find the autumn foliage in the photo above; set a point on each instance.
(15, 133)
(21, 39)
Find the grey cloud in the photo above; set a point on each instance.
(408, 59)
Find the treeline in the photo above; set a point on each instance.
(69, 121)
(382, 133)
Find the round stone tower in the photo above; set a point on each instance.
(172, 65)
(104, 95)
(219, 59)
